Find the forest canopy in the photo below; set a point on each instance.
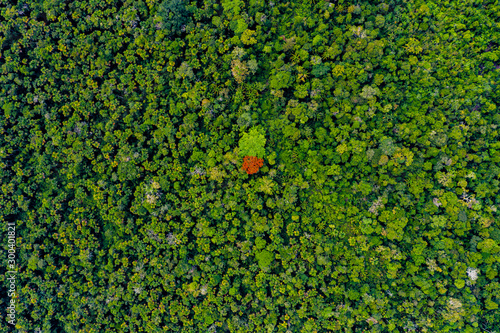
(251, 166)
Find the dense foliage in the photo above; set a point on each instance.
(124, 125)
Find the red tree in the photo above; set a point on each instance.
(251, 164)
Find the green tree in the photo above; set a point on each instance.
(252, 143)
(173, 15)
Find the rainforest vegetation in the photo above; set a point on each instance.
(251, 166)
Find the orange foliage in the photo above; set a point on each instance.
(251, 164)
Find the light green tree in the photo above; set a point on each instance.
(232, 7)
(252, 143)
